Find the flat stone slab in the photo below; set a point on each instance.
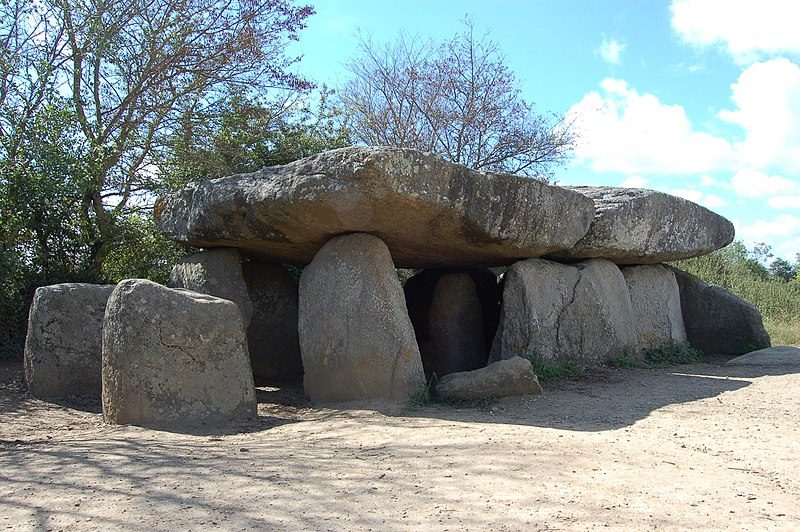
(638, 226)
(503, 378)
(428, 211)
(779, 355)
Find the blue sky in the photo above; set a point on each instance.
(699, 98)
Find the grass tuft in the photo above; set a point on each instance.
(673, 353)
(548, 371)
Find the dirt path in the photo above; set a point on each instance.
(687, 447)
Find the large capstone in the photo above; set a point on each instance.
(173, 357)
(272, 334)
(356, 338)
(656, 301)
(637, 226)
(503, 378)
(65, 338)
(717, 321)
(428, 211)
(559, 313)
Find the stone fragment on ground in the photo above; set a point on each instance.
(173, 357)
(656, 302)
(64, 341)
(272, 335)
(356, 338)
(503, 378)
(779, 355)
(428, 211)
(638, 226)
(717, 321)
(558, 313)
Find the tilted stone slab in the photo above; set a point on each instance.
(560, 313)
(658, 318)
(777, 356)
(717, 321)
(503, 378)
(216, 272)
(266, 296)
(638, 226)
(173, 357)
(356, 338)
(64, 342)
(429, 212)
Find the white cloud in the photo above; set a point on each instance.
(746, 29)
(634, 181)
(624, 131)
(785, 202)
(752, 183)
(767, 98)
(783, 227)
(611, 50)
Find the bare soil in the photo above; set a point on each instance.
(700, 446)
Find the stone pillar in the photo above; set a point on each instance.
(356, 338)
(64, 343)
(656, 305)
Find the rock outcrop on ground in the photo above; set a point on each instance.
(428, 211)
(173, 357)
(565, 313)
(356, 338)
(656, 302)
(638, 226)
(717, 321)
(503, 378)
(63, 348)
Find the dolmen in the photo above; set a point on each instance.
(508, 273)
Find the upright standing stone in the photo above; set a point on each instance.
(455, 328)
(356, 338)
(656, 305)
(717, 321)
(174, 357)
(272, 334)
(565, 313)
(216, 272)
(64, 343)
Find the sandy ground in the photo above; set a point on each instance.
(698, 446)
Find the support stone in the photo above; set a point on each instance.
(356, 338)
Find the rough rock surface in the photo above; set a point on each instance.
(174, 357)
(656, 305)
(717, 321)
(65, 340)
(216, 272)
(501, 379)
(454, 322)
(637, 226)
(272, 335)
(557, 313)
(428, 211)
(780, 355)
(356, 338)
